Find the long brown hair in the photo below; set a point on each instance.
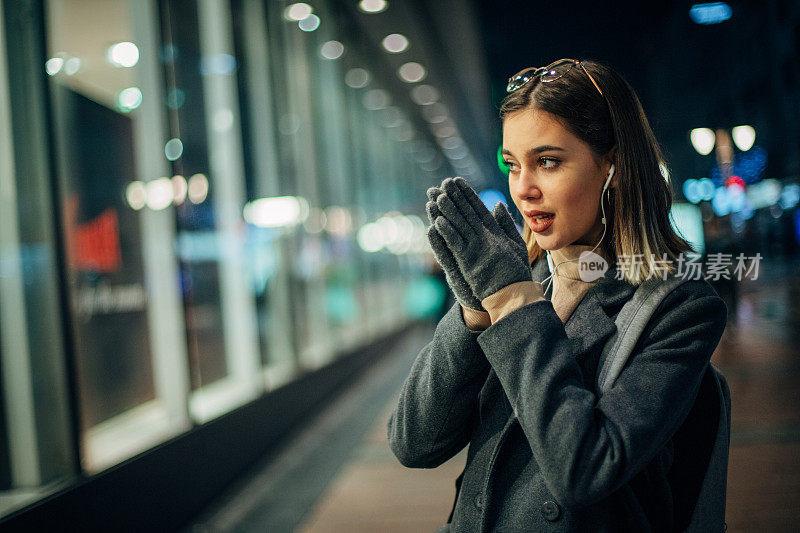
(641, 200)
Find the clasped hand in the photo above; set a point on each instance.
(480, 251)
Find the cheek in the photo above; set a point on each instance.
(575, 196)
(577, 201)
(569, 195)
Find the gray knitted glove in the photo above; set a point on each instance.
(488, 249)
(444, 256)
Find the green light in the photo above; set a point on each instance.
(341, 304)
(501, 162)
(424, 297)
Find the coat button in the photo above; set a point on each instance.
(479, 501)
(550, 510)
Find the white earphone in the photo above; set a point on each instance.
(610, 175)
(608, 180)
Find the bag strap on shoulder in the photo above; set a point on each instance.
(631, 322)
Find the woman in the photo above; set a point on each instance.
(511, 368)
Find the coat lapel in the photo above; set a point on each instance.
(590, 323)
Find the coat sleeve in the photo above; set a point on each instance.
(588, 447)
(438, 402)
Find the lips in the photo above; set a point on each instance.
(534, 212)
(539, 220)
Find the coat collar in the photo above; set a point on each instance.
(590, 322)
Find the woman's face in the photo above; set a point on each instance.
(553, 171)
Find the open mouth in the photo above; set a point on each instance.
(540, 223)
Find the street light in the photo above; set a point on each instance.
(702, 140)
(744, 137)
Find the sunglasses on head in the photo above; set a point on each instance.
(551, 72)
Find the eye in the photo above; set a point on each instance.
(549, 163)
(512, 167)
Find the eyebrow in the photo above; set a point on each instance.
(537, 150)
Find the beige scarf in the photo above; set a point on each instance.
(568, 288)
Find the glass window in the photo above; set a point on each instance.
(202, 67)
(117, 200)
(299, 151)
(335, 169)
(267, 248)
(37, 452)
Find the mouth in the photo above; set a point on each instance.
(539, 220)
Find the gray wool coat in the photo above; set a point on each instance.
(545, 452)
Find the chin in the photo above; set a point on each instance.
(548, 243)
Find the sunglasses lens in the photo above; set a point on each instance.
(519, 79)
(556, 71)
(517, 82)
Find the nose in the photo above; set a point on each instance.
(525, 187)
